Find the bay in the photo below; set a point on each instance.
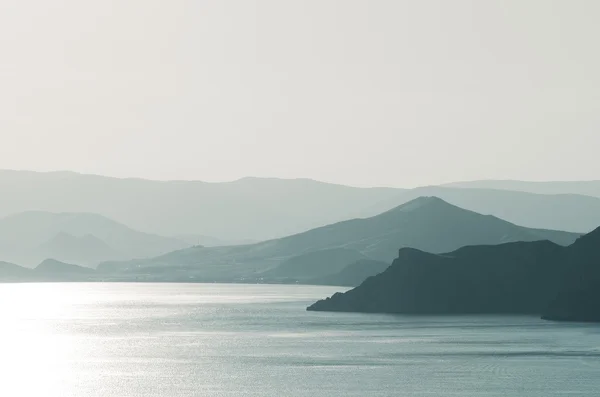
(120, 339)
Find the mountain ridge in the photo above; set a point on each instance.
(432, 225)
(517, 278)
(540, 277)
(266, 208)
(191, 207)
(87, 238)
(588, 187)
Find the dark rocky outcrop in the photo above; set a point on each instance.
(508, 278)
(562, 283)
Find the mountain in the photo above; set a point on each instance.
(249, 208)
(209, 241)
(48, 270)
(517, 277)
(52, 266)
(259, 209)
(12, 272)
(587, 188)
(32, 236)
(574, 213)
(314, 264)
(561, 283)
(578, 298)
(353, 274)
(51, 269)
(426, 223)
(84, 249)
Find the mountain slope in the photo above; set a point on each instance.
(84, 249)
(574, 213)
(427, 223)
(32, 236)
(250, 208)
(48, 270)
(12, 272)
(587, 188)
(314, 264)
(561, 283)
(53, 270)
(353, 274)
(261, 208)
(54, 267)
(509, 278)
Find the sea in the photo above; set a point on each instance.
(168, 340)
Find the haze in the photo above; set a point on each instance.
(394, 93)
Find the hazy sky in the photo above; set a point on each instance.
(368, 92)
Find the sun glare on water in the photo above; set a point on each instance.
(34, 356)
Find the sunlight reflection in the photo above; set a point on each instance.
(34, 356)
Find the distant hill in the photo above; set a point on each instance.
(53, 269)
(314, 264)
(249, 208)
(587, 188)
(259, 209)
(29, 237)
(83, 249)
(11, 272)
(426, 223)
(542, 278)
(209, 241)
(569, 212)
(352, 275)
(48, 270)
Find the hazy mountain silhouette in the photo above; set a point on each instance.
(11, 272)
(588, 188)
(47, 270)
(568, 212)
(84, 249)
(209, 241)
(314, 264)
(562, 283)
(262, 208)
(29, 237)
(52, 266)
(353, 274)
(51, 269)
(249, 208)
(426, 223)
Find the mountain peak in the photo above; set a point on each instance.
(422, 202)
(50, 262)
(54, 266)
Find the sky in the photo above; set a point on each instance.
(360, 92)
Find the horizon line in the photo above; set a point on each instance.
(443, 184)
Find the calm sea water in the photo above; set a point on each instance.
(166, 340)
